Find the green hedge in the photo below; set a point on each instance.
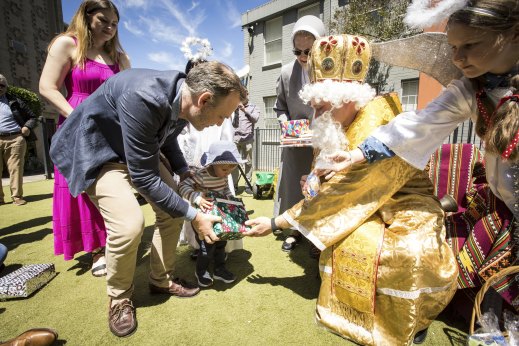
(30, 98)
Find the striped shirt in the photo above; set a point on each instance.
(201, 182)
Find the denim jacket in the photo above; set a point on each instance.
(130, 118)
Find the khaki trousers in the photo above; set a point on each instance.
(113, 195)
(12, 151)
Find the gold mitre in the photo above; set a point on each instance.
(342, 58)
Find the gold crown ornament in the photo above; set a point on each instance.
(342, 58)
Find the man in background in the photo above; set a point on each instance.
(17, 123)
(244, 119)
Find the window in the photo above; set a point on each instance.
(312, 10)
(273, 31)
(271, 120)
(409, 94)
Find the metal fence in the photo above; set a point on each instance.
(267, 153)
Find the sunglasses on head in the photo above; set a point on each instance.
(298, 52)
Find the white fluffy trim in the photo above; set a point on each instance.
(204, 48)
(338, 93)
(422, 14)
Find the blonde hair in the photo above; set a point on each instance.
(79, 29)
(498, 16)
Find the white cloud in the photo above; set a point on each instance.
(190, 23)
(134, 3)
(132, 28)
(160, 32)
(227, 50)
(233, 15)
(194, 5)
(167, 60)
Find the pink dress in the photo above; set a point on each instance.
(77, 224)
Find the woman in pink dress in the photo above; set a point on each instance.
(82, 58)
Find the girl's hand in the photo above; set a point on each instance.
(205, 204)
(260, 227)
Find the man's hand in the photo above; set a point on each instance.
(260, 227)
(302, 181)
(203, 225)
(26, 131)
(341, 161)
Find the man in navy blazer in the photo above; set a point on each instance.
(112, 143)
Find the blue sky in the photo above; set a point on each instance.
(152, 31)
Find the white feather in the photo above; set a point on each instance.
(422, 14)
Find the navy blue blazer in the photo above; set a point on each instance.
(130, 118)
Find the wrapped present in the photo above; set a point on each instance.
(233, 214)
(26, 280)
(295, 128)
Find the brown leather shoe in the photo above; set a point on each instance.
(19, 201)
(122, 318)
(179, 288)
(34, 337)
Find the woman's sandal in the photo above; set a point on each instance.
(98, 263)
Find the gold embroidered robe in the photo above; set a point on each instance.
(386, 269)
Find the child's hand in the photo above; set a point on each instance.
(205, 204)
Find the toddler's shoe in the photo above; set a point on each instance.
(204, 279)
(224, 275)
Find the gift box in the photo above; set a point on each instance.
(233, 214)
(295, 128)
(26, 280)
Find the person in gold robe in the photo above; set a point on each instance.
(386, 269)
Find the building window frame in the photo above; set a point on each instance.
(270, 118)
(273, 41)
(409, 94)
(310, 10)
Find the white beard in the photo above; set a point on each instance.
(327, 136)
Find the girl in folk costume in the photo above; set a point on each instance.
(386, 268)
(81, 59)
(484, 36)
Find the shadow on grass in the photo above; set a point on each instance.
(13, 241)
(307, 285)
(37, 198)
(21, 226)
(10, 268)
(2, 310)
(82, 265)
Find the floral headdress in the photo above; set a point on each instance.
(204, 48)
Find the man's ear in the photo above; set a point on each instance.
(204, 99)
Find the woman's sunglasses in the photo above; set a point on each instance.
(298, 52)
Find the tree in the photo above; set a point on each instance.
(30, 98)
(378, 21)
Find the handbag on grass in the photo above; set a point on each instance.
(233, 214)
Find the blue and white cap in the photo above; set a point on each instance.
(222, 153)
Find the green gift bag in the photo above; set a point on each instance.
(233, 214)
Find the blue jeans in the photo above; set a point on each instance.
(3, 253)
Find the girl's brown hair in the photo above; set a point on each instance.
(498, 16)
(79, 28)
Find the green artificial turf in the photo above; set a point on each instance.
(272, 302)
